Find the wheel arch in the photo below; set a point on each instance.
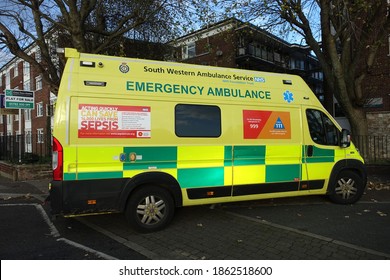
(161, 179)
(347, 164)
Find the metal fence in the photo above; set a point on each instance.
(375, 149)
(25, 148)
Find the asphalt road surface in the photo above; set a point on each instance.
(293, 228)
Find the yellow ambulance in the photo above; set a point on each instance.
(145, 137)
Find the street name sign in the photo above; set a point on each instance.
(19, 99)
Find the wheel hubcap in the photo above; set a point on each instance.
(346, 188)
(151, 210)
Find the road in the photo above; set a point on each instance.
(293, 228)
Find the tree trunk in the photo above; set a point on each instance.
(358, 121)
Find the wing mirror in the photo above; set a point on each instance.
(345, 138)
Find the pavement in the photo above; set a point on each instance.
(204, 232)
(25, 202)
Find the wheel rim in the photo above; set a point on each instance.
(346, 188)
(151, 210)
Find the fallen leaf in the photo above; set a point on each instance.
(380, 213)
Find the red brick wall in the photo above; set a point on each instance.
(218, 50)
(377, 82)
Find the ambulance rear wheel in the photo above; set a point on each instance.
(348, 188)
(150, 208)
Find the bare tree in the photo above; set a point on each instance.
(344, 35)
(93, 26)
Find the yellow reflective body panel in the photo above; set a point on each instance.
(118, 117)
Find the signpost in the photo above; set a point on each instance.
(18, 99)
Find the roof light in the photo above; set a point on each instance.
(287, 82)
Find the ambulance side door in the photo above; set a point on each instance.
(321, 149)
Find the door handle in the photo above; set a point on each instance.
(310, 150)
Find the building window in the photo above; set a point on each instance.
(8, 79)
(16, 73)
(189, 51)
(297, 64)
(39, 109)
(18, 136)
(38, 56)
(27, 114)
(26, 72)
(38, 82)
(197, 121)
(40, 136)
(277, 57)
(27, 137)
(9, 119)
(49, 110)
(26, 85)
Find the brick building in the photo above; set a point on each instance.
(377, 84)
(235, 44)
(32, 127)
(229, 43)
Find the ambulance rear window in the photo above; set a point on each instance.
(197, 120)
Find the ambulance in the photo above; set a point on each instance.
(145, 137)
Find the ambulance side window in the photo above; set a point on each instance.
(197, 120)
(322, 130)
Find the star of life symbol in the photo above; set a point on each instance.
(288, 96)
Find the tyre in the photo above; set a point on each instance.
(150, 208)
(348, 188)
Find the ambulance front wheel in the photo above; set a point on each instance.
(348, 188)
(150, 208)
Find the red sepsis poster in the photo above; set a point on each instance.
(108, 121)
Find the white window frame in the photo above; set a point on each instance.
(27, 114)
(16, 70)
(27, 135)
(9, 119)
(8, 79)
(38, 55)
(189, 50)
(39, 108)
(38, 82)
(40, 136)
